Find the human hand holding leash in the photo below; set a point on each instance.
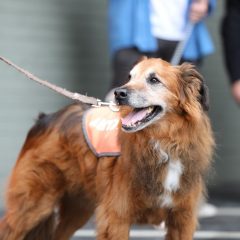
(236, 91)
(198, 10)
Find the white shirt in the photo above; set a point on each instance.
(168, 19)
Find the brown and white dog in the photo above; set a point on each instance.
(166, 148)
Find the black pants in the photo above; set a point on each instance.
(231, 39)
(124, 59)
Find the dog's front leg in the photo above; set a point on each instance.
(181, 221)
(181, 226)
(111, 226)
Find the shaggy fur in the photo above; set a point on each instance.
(57, 182)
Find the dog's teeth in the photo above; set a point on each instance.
(149, 109)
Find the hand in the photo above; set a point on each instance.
(198, 10)
(236, 91)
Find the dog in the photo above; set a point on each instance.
(166, 143)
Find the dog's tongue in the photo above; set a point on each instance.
(134, 116)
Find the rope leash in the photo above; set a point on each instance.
(94, 102)
(177, 55)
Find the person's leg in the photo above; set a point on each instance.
(196, 62)
(166, 49)
(122, 62)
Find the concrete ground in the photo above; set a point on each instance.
(225, 225)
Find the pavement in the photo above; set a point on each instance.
(223, 225)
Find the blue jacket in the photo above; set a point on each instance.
(129, 25)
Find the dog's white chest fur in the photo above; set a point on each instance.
(174, 172)
(171, 182)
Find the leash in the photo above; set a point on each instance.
(94, 102)
(177, 55)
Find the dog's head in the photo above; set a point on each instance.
(156, 88)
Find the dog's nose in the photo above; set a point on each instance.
(120, 93)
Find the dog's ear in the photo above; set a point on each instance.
(204, 95)
(193, 86)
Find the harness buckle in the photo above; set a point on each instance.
(110, 104)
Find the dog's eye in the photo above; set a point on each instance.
(154, 80)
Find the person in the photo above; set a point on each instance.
(153, 28)
(231, 39)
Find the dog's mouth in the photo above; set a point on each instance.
(139, 118)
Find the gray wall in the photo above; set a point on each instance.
(65, 42)
(62, 41)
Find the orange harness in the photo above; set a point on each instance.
(100, 128)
